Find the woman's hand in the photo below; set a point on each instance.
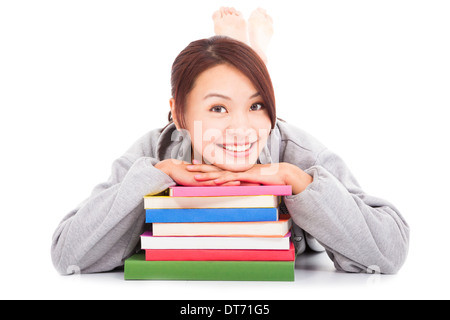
(179, 172)
(202, 169)
(267, 174)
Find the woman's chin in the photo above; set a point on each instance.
(234, 167)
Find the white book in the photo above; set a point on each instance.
(167, 202)
(148, 241)
(225, 229)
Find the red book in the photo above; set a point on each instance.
(219, 255)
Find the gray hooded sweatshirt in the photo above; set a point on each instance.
(359, 232)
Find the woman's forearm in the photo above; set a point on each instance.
(98, 234)
(296, 177)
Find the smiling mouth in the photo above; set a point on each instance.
(237, 148)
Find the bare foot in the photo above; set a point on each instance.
(231, 23)
(260, 30)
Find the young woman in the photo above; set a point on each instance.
(223, 130)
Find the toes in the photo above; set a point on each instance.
(229, 11)
(255, 14)
(266, 15)
(224, 10)
(216, 15)
(261, 13)
(235, 12)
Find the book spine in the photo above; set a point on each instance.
(211, 215)
(150, 242)
(277, 190)
(136, 268)
(166, 202)
(219, 255)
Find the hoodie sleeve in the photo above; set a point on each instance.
(361, 233)
(104, 230)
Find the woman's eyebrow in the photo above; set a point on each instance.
(218, 95)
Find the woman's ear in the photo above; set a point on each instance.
(174, 115)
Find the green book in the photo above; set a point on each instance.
(137, 268)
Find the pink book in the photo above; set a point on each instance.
(216, 191)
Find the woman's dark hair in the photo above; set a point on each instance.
(203, 54)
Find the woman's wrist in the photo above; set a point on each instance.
(164, 166)
(296, 177)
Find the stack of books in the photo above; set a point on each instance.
(215, 233)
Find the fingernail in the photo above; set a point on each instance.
(190, 166)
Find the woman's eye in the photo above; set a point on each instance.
(256, 106)
(219, 109)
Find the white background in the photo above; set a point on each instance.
(80, 81)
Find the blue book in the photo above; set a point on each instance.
(211, 215)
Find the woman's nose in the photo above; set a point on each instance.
(239, 121)
(239, 130)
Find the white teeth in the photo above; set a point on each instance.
(238, 148)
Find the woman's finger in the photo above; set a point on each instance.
(208, 176)
(244, 178)
(212, 183)
(229, 177)
(202, 168)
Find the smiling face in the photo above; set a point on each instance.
(226, 119)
